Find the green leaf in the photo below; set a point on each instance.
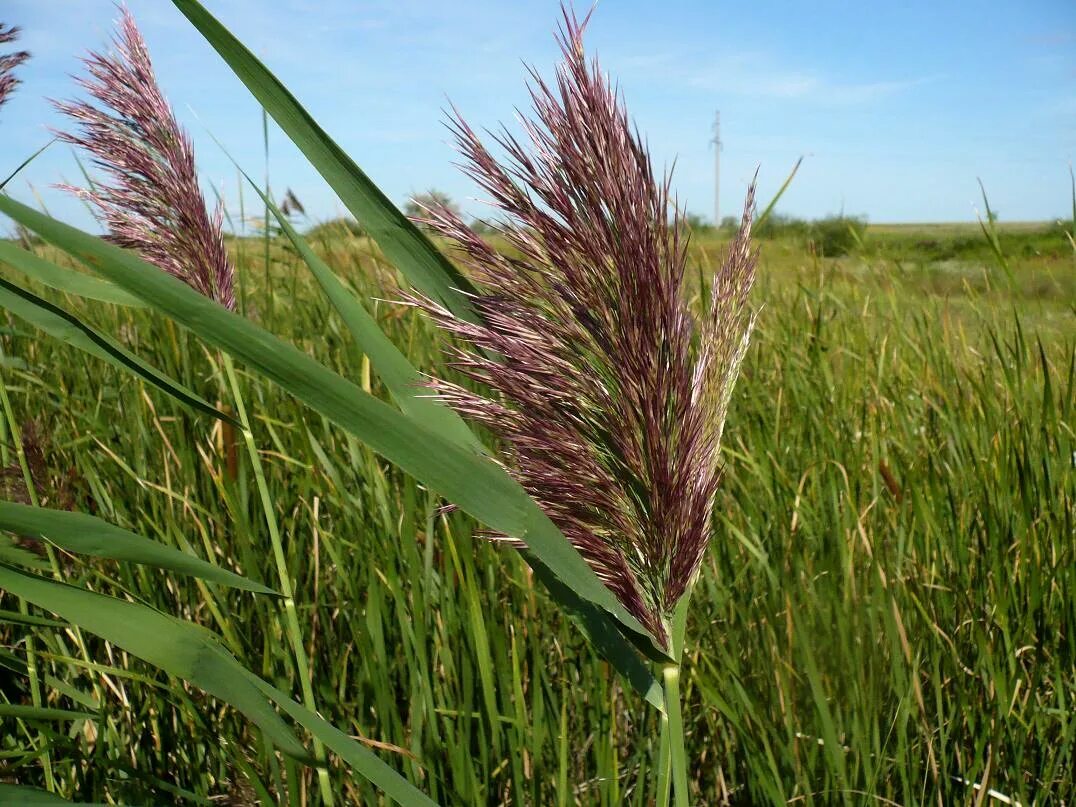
(182, 649)
(15, 618)
(595, 626)
(25, 163)
(475, 483)
(403, 243)
(18, 796)
(41, 713)
(780, 192)
(63, 279)
(86, 535)
(990, 231)
(10, 661)
(402, 379)
(354, 753)
(11, 552)
(68, 328)
(193, 654)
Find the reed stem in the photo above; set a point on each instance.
(677, 752)
(664, 763)
(24, 609)
(291, 616)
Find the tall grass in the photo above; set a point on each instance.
(888, 608)
(884, 618)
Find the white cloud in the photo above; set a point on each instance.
(798, 85)
(757, 74)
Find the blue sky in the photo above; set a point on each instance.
(896, 107)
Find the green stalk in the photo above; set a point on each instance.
(291, 616)
(664, 763)
(671, 680)
(672, 771)
(35, 501)
(31, 653)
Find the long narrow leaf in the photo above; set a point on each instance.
(25, 163)
(760, 220)
(182, 649)
(358, 756)
(403, 243)
(86, 535)
(475, 483)
(193, 654)
(595, 626)
(68, 328)
(402, 379)
(21, 796)
(11, 552)
(42, 713)
(63, 279)
(15, 618)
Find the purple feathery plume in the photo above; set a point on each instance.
(151, 201)
(608, 393)
(9, 61)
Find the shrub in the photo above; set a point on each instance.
(835, 236)
(342, 226)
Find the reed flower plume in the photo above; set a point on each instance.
(150, 199)
(609, 394)
(9, 62)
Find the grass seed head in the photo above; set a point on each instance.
(150, 199)
(608, 392)
(9, 62)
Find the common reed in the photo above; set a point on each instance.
(854, 636)
(151, 202)
(609, 394)
(9, 62)
(607, 391)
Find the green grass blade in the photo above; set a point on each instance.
(402, 379)
(359, 757)
(193, 654)
(63, 279)
(25, 163)
(15, 618)
(86, 535)
(990, 231)
(595, 626)
(42, 713)
(475, 483)
(182, 649)
(17, 555)
(403, 243)
(1072, 232)
(781, 192)
(68, 328)
(20, 796)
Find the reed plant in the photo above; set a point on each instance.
(9, 62)
(150, 202)
(845, 645)
(610, 399)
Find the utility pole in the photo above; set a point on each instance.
(717, 169)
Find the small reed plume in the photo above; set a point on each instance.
(9, 62)
(150, 200)
(609, 394)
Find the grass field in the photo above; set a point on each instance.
(886, 614)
